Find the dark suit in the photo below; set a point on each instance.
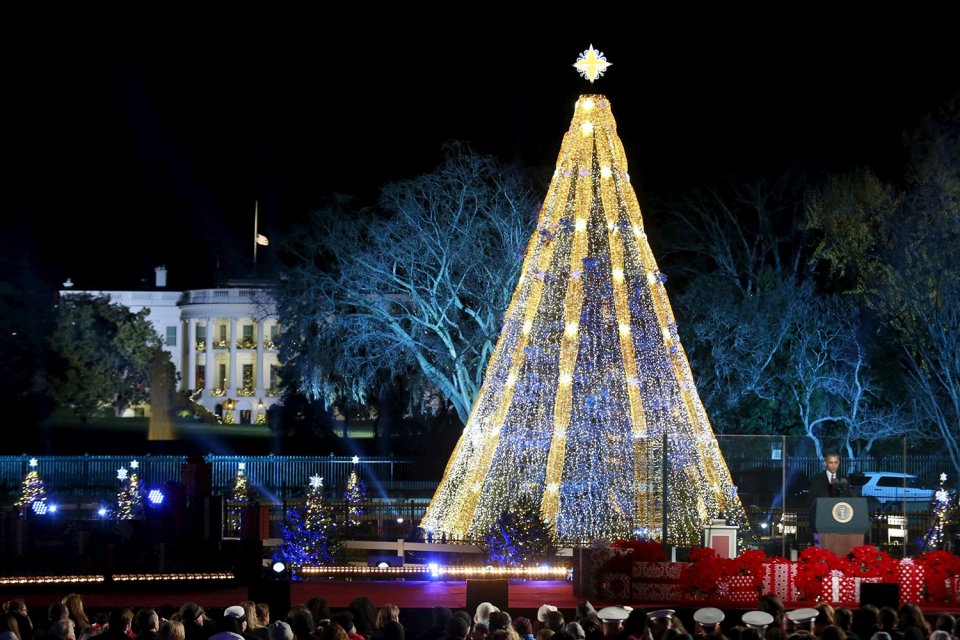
(820, 487)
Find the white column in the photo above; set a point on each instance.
(259, 368)
(232, 393)
(210, 381)
(192, 354)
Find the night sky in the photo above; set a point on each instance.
(145, 138)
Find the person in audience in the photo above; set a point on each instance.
(912, 623)
(866, 621)
(320, 611)
(888, 622)
(301, 621)
(831, 632)
(280, 630)
(62, 630)
(172, 630)
(387, 613)
(586, 616)
(117, 626)
(636, 626)
(345, 619)
(523, 627)
(843, 618)
(254, 629)
(74, 604)
(263, 613)
(9, 629)
(364, 616)
(195, 622)
(233, 625)
(481, 620)
(146, 624)
(553, 620)
(457, 628)
(501, 621)
(945, 622)
(438, 627)
(391, 630)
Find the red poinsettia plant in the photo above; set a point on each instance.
(702, 575)
(749, 563)
(642, 550)
(938, 567)
(813, 565)
(866, 561)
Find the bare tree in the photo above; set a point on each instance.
(828, 379)
(416, 289)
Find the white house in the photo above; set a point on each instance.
(222, 341)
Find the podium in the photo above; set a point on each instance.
(721, 537)
(841, 523)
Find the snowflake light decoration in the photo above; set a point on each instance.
(591, 64)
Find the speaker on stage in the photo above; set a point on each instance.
(880, 594)
(496, 592)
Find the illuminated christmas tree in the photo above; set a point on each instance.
(588, 399)
(32, 490)
(355, 498)
(129, 496)
(239, 499)
(944, 503)
(309, 533)
(519, 537)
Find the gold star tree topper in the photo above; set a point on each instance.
(591, 64)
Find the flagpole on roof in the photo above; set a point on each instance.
(255, 232)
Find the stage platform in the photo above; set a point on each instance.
(414, 597)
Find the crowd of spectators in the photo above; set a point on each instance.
(67, 619)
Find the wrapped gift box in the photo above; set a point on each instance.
(657, 571)
(779, 578)
(910, 575)
(615, 586)
(845, 589)
(740, 589)
(953, 588)
(656, 592)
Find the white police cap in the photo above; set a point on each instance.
(802, 616)
(708, 615)
(757, 619)
(613, 614)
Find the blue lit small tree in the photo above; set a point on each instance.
(130, 495)
(309, 534)
(944, 506)
(519, 536)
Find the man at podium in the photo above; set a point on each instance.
(827, 484)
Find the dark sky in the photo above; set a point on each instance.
(144, 138)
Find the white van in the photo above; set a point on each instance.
(890, 486)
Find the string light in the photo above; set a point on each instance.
(589, 349)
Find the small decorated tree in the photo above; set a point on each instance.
(355, 499)
(309, 533)
(239, 499)
(129, 495)
(519, 536)
(32, 489)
